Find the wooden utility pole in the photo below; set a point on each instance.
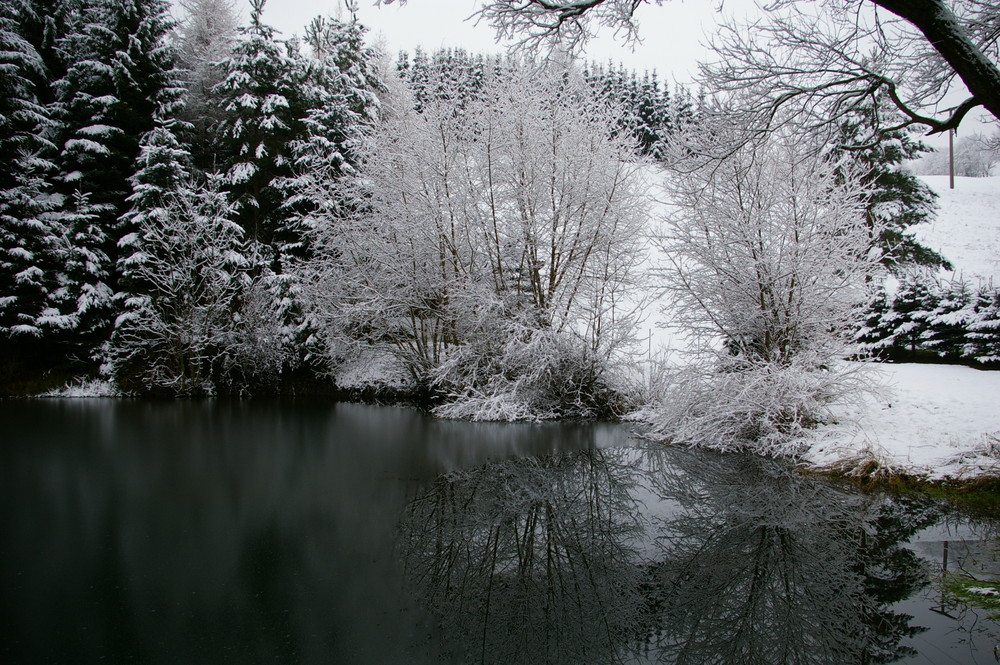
(951, 158)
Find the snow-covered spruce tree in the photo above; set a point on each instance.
(340, 95)
(27, 263)
(765, 257)
(340, 98)
(897, 200)
(163, 168)
(948, 322)
(916, 299)
(118, 65)
(876, 323)
(203, 323)
(982, 337)
(261, 95)
(493, 249)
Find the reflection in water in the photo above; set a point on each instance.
(201, 532)
(554, 560)
(762, 567)
(529, 560)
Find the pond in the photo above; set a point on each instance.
(208, 532)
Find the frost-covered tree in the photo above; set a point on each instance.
(205, 37)
(976, 156)
(494, 248)
(765, 258)
(764, 250)
(203, 323)
(260, 93)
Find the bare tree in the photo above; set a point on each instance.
(826, 61)
(492, 237)
(827, 58)
(765, 255)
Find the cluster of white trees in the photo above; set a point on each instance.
(975, 156)
(492, 248)
(765, 255)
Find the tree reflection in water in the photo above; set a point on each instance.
(529, 560)
(659, 555)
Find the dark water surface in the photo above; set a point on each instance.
(206, 532)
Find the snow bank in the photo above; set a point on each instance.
(933, 421)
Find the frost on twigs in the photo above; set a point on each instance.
(493, 247)
(765, 254)
(731, 403)
(205, 322)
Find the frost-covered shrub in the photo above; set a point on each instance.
(513, 370)
(739, 404)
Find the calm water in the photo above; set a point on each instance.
(199, 532)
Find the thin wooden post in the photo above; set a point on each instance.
(951, 159)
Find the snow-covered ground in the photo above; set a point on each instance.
(933, 421)
(967, 227)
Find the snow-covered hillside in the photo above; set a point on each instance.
(967, 228)
(933, 421)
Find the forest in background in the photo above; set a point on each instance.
(162, 174)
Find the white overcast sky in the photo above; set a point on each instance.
(672, 34)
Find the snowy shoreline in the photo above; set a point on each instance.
(932, 422)
(936, 423)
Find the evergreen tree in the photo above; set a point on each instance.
(898, 199)
(162, 169)
(341, 95)
(915, 301)
(27, 263)
(949, 320)
(876, 323)
(119, 70)
(982, 339)
(261, 93)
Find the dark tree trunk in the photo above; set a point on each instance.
(942, 29)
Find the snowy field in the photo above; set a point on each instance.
(934, 421)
